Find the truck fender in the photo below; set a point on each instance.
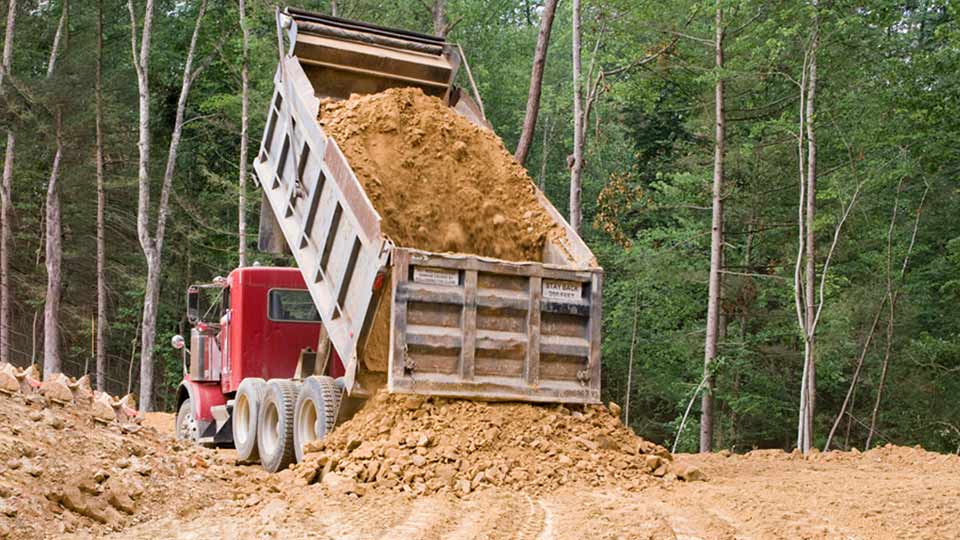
(202, 396)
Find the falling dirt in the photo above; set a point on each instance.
(439, 182)
(423, 446)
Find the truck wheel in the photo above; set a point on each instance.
(186, 426)
(246, 408)
(275, 424)
(316, 411)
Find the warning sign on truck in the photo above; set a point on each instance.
(436, 276)
(561, 290)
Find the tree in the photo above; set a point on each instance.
(6, 195)
(716, 246)
(101, 209)
(576, 163)
(52, 363)
(536, 82)
(152, 245)
(244, 126)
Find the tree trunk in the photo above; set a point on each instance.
(633, 346)
(54, 258)
(576, 165)
(6, 194)
(716, 248)
(893, 294)
(101, 337)
(544, 154)
(333, 9)
(52, 362)
(153, 246)
(244, 125)
(536, 82)
(809, 349)
(439, 13)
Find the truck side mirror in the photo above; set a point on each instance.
(193, 305)
(177, 342)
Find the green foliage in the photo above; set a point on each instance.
(888, 112)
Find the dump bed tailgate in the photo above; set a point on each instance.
(473, 327)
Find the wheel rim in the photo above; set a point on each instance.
(188, 427)
(307, 424)
(270, 430)
(245, 425)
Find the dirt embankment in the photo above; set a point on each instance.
(423, 446)
(66, 466)
(439, 182)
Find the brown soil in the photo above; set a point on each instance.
(439, 182)
(429, 445)
(885, 494)
(518, 472)
(61, 471)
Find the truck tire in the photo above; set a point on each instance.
(246, 409)
(275, 424)
(186, 426)
(316, 411)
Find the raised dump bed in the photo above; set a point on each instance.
(449, 324)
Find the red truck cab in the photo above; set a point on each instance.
(255, 323)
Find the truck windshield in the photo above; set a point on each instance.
(291, 305)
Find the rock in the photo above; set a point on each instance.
(121, 501)
(661, 470)
(614, 409)
(689, 473)
(651, 463)
(31, 469)
(463, 487)
(8, 383)
(606, 443)
(413, 402)
(35, 416)
(56, 389)
(53, 420)
(564, 459)
(418, 460)
(316, 445)
(7, 509)
(102, 412)
(339, 483)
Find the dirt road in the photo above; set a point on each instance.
(63, 475)
(883, 494)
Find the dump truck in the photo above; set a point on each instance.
(286, 354)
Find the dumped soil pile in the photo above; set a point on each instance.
(65, 466)
(428, 445)
(439, 182)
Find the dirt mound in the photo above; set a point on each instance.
(428, 445)
(70, 465)
(439, 182)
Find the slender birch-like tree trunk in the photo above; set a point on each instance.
(810, 382)
(141, 64)
(153, 245)
(536, 82)
(244, 127)
(716, 246)
(892, 296)
(101, 336)
(439, 13)
(52, 362)
(576, 164)
(6, 194)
